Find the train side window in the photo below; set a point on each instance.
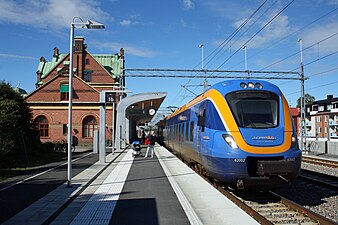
(171, 133)
(174, 132)
(191, 131)
(177, 133)
(182, 132)
(201, 120)
(186, 131)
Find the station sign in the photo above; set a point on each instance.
(110, 97)
(136, 112)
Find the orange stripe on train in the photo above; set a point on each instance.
(227, 117)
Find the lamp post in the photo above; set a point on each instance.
(89, 25)
(205, 84)
(245, 60)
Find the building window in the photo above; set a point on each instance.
(87, 62)
(319, 119)
(88, 126)
(315, 108)
(64, 129)
(321, 108)
(87, 75)
(64, 92)
(41, 123)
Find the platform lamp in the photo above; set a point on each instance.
(90, 24)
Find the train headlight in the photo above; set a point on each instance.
(259, 85)
(251, 85)
(294, 143)
(230, 140)
(243, 85)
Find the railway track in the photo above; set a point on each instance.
(321, 162)
(319, 178)
(268, 207)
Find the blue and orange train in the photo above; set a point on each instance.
(239, 132)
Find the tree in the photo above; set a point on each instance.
(15, 120)
(308, 99)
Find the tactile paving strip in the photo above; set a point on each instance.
(100, 207)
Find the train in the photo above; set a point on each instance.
(239, 132)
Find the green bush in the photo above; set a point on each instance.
(16, 126)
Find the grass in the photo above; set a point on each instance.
(16, 165)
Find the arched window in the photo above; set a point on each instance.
(88, 126)
(42, 125)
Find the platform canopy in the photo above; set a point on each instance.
(138, 109)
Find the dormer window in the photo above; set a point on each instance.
(64, 92)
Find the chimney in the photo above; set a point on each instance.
(79, 46)
(56, 52)
(122, 53)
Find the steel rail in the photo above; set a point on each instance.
(292, 205)
(318, 161)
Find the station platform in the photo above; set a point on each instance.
(127, 190)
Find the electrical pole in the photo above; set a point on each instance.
(302, 100)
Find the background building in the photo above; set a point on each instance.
(322, 118)
(92, 74)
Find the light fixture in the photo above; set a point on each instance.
(251, 85)
(259, 85)
(230, 140)
(89, 25)
(243, 85)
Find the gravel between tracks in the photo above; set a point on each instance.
(319, 200)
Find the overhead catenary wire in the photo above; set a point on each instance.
(229, 38)
(252, 24)
(260, 30)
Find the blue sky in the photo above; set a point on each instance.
(167, 33)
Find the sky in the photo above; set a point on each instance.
(166, 34)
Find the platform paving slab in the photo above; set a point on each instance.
(39, 211)
(208, 204)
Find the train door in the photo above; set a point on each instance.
(200, 125)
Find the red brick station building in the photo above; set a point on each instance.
(92, 74)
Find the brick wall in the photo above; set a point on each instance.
(58, 116)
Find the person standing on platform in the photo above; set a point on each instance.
(151, 146)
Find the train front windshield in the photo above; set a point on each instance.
(254, 109)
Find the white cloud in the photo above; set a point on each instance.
(125, 22)
(188, 4)
(317, 34)
(131, 21)
(16, 56)
(50, 14)
(130, 49)
(277, 29)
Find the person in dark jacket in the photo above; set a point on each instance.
(151, 146)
